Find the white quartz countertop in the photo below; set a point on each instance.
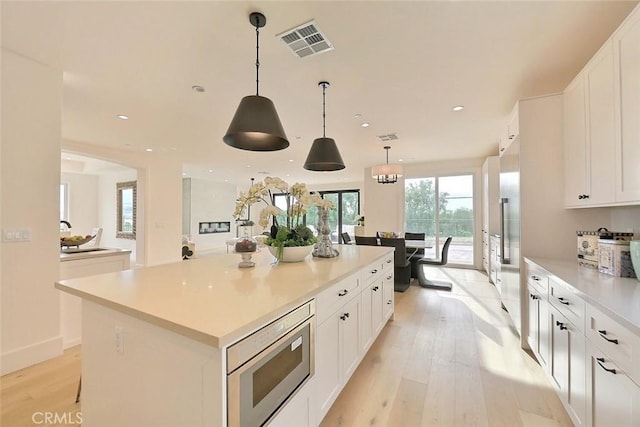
(211, 299)
(104, 252)
(618, 297)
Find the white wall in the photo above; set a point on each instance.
(30, 178)
(83, 201)
(212, 202)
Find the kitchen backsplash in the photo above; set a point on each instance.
(626, 218)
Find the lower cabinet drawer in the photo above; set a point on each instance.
(330, 299)
(568, 302)
(616, 341)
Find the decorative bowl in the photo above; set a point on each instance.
(292, 253)
(74, 241)
(634, 246)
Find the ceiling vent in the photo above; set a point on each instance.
(388, 137)
(306, 40)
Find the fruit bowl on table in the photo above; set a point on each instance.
(66, 242)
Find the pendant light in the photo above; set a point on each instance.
(386, 173)
(324, 155)
(256, 125)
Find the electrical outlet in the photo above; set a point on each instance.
(119, 340)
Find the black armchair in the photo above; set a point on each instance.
(401, 265)
(414, 254)
(435, 284)
(368, 241)
(345, 238)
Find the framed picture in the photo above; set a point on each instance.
(214, 227)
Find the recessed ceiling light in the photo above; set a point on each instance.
(210, 170)
(458, 108)
(184, 174)
(122, 117)
(357, 115)
(148, 149)
(401, 160)
(248, 166)
(290, 160)
(197, 88)
(365, 125)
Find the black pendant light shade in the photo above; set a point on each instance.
(256, 125)
(324, 155)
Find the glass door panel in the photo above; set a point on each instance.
(420, 210)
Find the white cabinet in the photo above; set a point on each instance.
(589, 132)
(626, 43)
(601, 110)
(567, 365)
(350, 317)
(511, 132)
(494, 251)
(538, 332)
(490, 208)
(613, 399)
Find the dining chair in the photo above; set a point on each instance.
(401, 265)
(435, 284)
(414, 254)
(368, 241)
(345, 238)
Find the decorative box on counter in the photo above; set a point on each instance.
(588, 244)
(614, 258)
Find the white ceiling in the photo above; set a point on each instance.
(401, 65)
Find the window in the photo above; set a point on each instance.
(126, 210)
(441, 207)
(344, 217)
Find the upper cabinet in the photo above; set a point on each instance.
(602, 130)
(589, 133)
(626, 53)
(511, 132)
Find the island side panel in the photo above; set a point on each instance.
(71, 268)
(135, 373)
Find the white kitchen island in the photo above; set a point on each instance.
(154, 340)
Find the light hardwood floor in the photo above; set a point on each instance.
(447, 359)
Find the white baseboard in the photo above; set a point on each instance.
(30, 355)
(71, 343)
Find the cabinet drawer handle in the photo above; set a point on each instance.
(389, 277)
(374, 271)
(343, 293)
(536, 278)
(563, 301)
(389, 301)
(603, 334)
(388, 261)
(345, 316)
(561, 325)
(600, 361)
(375, 289)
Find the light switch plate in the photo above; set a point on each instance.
(11, 235)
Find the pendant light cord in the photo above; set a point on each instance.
(387, 150)
(257, 58)
(324, 88)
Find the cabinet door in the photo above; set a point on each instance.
(387, 297)
(612, 398)
(627, 90)
(327, 364)
(567, 367)
(544, 334)
(600, 127)
(367, 310)
(534, 320)
(377, 295)
(575, 147)
(349, 338)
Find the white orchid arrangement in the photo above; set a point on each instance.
(294, 232)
